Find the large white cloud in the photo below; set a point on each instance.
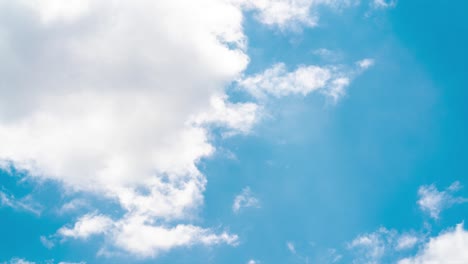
(117, 97)
(448, 247)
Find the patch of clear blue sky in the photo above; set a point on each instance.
(323, 173)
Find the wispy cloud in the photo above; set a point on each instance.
(433, 201)
(26, 203)
(291, 247)
(384, 4)
(372, 247)
(245, 199)
(278, 81)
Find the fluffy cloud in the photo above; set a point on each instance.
(86, 226)
(117, 98)
(433, 201)
(104, 98)
(448, 247)
(244, 200)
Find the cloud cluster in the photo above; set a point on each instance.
(117, 98)
(372, 247)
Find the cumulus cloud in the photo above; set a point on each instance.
(115, 102)
(433, 201)
(449, 247)
(117, 98)
(278, 81)
(245, 199)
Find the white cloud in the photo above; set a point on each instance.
(245, 199)
(365, 63)
(407, 241)
(73, 205)
(292, 13)
(46, 242)
(433, 201)
(86, 226)
(326, 54)
(278, 81)
(291, 247)
(24, 204)
(384, 4)
(137, 235)
(373, 247)
(252, 262)
(116, 102)
(448, 247)
(19, 261)
(24, 261)
(104, 98)
(334, 256)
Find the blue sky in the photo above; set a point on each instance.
(233, 132)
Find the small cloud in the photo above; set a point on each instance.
(384, 4)
(406, 241)
(327, 54)
(46, 242)
(433, 201)
(253, 262)
(278, 81)
(73, 205)
(291, 247)
(365, 63)
(19, 261)
(245, 200)
(334, 256)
